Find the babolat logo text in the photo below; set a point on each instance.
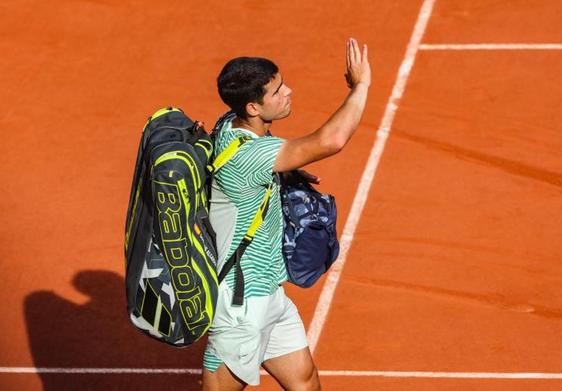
(175, 239)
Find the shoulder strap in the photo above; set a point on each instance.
(227, 153)
(234, 260)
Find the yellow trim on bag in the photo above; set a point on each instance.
(181, 155)
(208, 149)
(161, 112)
(185, 155)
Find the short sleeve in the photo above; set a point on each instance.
(255, 160)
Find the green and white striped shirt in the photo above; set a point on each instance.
(238, 190)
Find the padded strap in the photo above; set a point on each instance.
(228, 153)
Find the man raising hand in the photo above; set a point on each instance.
(266, 330)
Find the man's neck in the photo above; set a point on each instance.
(253, 124)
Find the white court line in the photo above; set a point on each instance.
(393, 374)
(446, 375)
(327, 294)
(493, 46)
(105, 371)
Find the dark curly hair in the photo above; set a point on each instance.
(242, 80)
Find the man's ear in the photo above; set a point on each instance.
(252, 109)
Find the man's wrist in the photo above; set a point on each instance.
(361, 84)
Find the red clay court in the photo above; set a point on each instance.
(449, 194)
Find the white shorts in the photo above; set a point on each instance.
(243, 337)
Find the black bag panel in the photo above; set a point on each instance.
(177, 129)
(134, 206)
(172, 119)
(162, 136)
(171, 253)
(138, 246)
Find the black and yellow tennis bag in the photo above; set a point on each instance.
(170, 250)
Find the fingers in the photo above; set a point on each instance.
(347, 55)
(353, 50)
(348, 70)
(365, 53)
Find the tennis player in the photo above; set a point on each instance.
(266, 330)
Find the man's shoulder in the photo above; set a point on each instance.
(252, 165)
(228, 134)
(258, 144)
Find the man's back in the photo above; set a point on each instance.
(237, 192)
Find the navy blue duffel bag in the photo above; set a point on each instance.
(310, 243)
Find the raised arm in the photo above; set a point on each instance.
(331, 137)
